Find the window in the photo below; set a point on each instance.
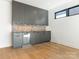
(74, 10)
(60, 14)
(67, 12)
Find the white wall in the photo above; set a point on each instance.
(65, 30)
(5, 23)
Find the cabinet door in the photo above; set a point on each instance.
(46, 36)
(17, 12)
(29, 15)
(34, 38)
(40, 37)
(35, 16)
(17, 40)
(41, 17)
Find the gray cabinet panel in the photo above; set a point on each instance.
(20, 39)
(25, 14)
(17, 40)
(41, 17)
(47, 36)
(35, 38)
(35, 16)
(29, 16)
(17, 12)
(40, 37)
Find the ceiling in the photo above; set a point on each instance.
(45, 4)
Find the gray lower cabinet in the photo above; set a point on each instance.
(46, 36)
(35, 38)
(17, 40)
(40, 37)
(21, 39)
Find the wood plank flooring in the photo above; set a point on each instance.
(40, 51)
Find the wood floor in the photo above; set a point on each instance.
(40, 51)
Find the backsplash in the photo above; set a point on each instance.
(22, 28)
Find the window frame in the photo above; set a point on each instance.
(67, 12)
(60, 12)
(73, 8)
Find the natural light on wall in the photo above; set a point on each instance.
(60, 16)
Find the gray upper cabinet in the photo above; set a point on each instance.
(17, 12)
(41, 17)
(35, 16)
(26, 14)
(29, 15)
